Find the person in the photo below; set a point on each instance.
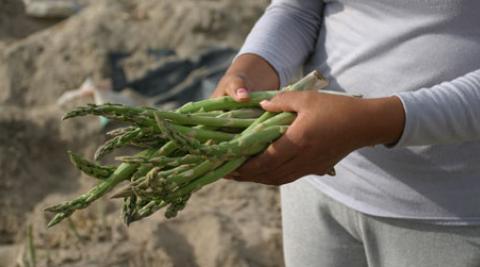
(407, 155)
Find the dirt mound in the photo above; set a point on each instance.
(15, 24)
(226, 224)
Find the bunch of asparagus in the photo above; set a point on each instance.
(185, 150)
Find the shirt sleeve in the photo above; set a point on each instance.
(286, 35)
(444, 114)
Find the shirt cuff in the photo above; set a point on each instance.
(410, 120)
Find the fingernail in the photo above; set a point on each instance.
(264, 102)
(242, 93)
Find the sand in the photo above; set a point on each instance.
(225, 224)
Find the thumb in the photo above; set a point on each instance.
(237, 88)
(234, 86)
(284, 101)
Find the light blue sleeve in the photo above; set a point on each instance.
(444, 114)
(286, 35)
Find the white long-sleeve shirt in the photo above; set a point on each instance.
(427, 52)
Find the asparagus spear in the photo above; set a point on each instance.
(189, 119)
(180, 197)
(264, 133)
(226, 103)
(162, 160)
(208, 178)
(242, 113)
(65, 209)
(116, 142)
(90, 168)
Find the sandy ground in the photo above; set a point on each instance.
(226, 224)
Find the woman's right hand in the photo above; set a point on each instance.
(248, 73)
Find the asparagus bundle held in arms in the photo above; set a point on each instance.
(187, 149)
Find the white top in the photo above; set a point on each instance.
(427, 52)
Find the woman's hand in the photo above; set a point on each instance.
(247, 73)
(327, 128)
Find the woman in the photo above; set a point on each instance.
(407, 156)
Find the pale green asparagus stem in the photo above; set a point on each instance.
(203, 134)
(226, 103)
(264, 133)
(208, 178)
(162, 160)
(189, 119)
(166, 181)
(242, 113)
(248, 144)
(166, 150)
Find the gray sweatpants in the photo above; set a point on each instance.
(318, 231)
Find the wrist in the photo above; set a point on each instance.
(385, 120)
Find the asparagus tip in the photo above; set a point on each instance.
(58, 218)
(55, 208)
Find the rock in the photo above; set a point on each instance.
(8, 255)
(51, 8)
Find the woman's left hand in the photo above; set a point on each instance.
(327, 128)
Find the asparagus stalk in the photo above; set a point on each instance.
(143, 119)
(117, 142)
(243, 113)
(189, 119)
(138, 114)
(162, 160)
(226, 103)
(120, 131)
(147, 210)
(90, 168)
(208, 178)
(264, 133)
(179, 198)
(184, 192)
(167, 181)
(65, 209)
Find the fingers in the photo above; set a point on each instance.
(289, 171)
(284, 101)
(276, 154)
(293, 170)
(282, 150)
(271, 177)
(234, 86)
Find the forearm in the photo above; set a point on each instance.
(382, 121)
